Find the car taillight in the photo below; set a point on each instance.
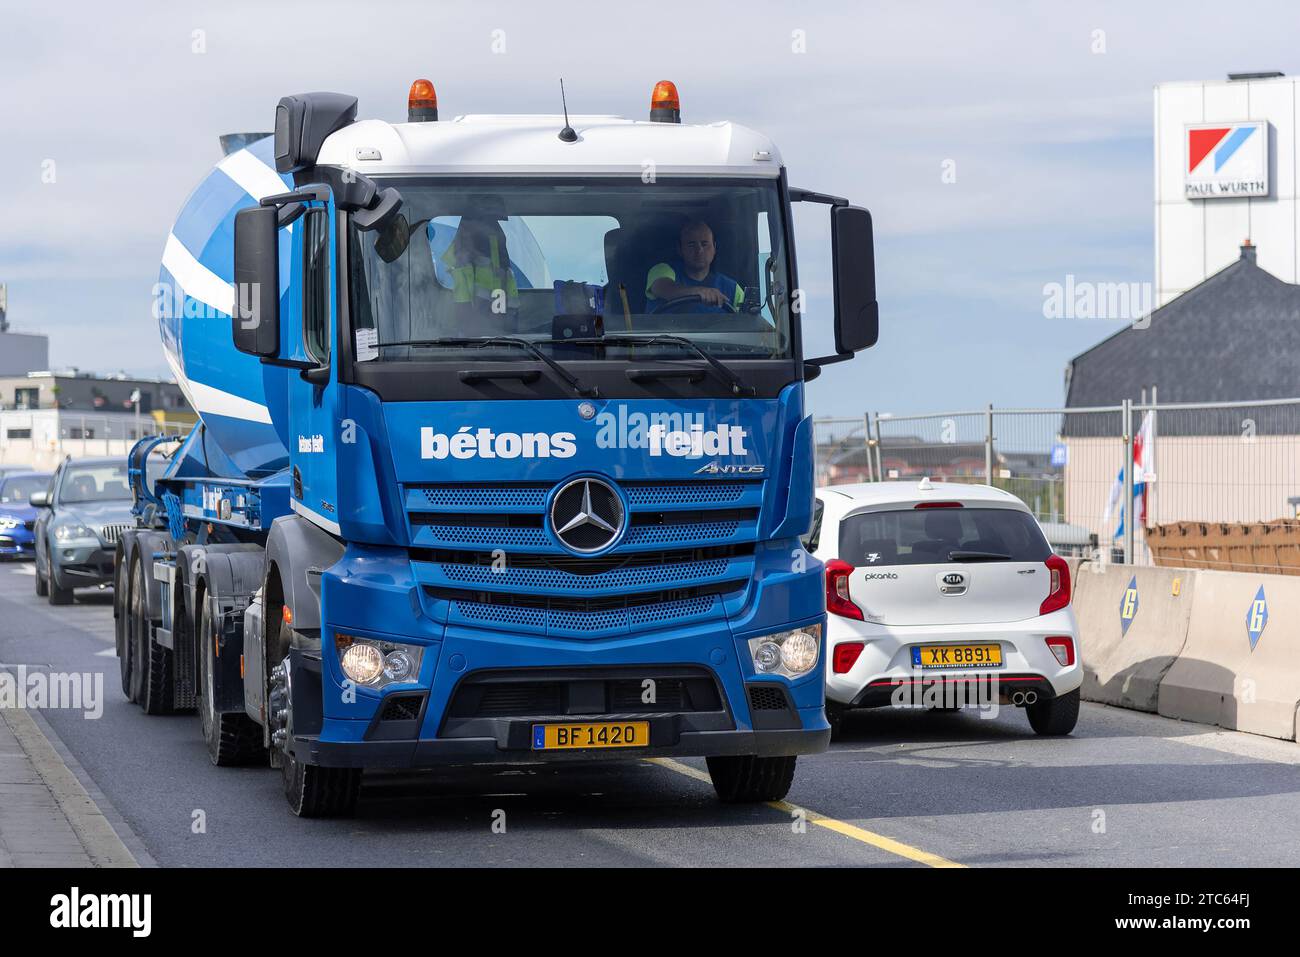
(1058, 596)
(837, 590)
(846, 656)
(1062, 647)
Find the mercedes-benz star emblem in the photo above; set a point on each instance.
(587, 515)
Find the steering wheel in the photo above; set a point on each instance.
(671, 305)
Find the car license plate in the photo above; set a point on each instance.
(605, 734)
(957, 656)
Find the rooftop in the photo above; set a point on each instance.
(530, 143)
(910, 492)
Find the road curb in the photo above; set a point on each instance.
(88, 822)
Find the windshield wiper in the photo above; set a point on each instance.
(957, 555)
(738, 385)
(573, 381)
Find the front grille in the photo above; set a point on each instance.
(488, 552)
(766, 698)
(402, 707)
(110, 534)
(649, 691)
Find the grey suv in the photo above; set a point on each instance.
(81, 515)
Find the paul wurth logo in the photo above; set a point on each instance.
(469, 443)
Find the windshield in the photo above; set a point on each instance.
(94, 483)
(701, 259)
(936, 535)
(16, 491)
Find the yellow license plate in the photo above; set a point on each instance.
(957, 656)
(604, 734)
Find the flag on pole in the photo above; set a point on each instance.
(1143, 462)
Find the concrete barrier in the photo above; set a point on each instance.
(1133, 624)
(1240, 666)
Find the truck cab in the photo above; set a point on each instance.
(520, 460)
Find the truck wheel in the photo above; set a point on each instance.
(153, 662)
(1056, 716)
(58, 594)
(835, 717)
(311, 790)
(126, 664)
(234, 738)
(746, 779)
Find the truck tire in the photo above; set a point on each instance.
(153, 662)
(58, 595)
(311, 790)
(1056, 716)
(126, 664)
(233, 739)
(835, 718)
(747, 779)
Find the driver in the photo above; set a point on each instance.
(691, 273)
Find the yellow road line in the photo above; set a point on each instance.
(887, 844)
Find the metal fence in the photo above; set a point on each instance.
(1196, 474)
(44, 442)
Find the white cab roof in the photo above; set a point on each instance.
(483, 144)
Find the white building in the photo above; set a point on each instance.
(1225, 172)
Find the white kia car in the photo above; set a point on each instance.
(944, 596)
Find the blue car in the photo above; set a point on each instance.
(17, 516)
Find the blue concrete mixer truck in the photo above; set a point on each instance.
(502, 454)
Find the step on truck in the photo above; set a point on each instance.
(502, 455)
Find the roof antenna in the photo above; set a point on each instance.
(567, 135)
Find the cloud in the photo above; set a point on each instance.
(1051, 143)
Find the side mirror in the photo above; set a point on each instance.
(39, 500)
(255, 321)
(853, 252)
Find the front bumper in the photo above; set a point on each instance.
(452, 751)
(82, 566)
(17, 545)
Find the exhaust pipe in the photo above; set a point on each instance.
(1031, 697)
(1018, 698)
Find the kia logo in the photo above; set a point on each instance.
(954, 578)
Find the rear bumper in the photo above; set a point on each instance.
(911, 692)
(886, 657)
(450, 751)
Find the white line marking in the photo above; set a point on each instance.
(198, 281)
(252, 175)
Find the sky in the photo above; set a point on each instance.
(1000, 147)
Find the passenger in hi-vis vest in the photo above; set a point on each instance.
(691, 273)
(479, 263)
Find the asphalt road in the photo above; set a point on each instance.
(904, 789)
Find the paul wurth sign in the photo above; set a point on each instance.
(1226, 159)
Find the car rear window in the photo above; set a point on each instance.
(932, 535)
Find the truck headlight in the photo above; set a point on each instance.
(790, 653)
(376, 664)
